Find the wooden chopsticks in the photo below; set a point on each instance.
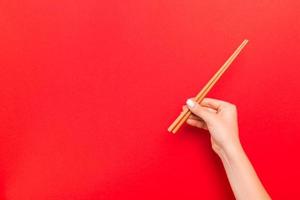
(184, 115)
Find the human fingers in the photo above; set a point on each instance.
(195, 117)
(214, 103)
(196, 123)
(200, 111)
(192, 116)
(205, 107)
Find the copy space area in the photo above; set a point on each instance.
(88, 89)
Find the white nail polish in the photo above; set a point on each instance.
(190, 103)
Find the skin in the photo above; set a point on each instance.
(220, 119)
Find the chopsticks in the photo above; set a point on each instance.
(184, 115)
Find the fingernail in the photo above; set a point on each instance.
(190, 103)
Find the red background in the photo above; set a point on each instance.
(88, 89)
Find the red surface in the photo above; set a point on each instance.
(88, 89)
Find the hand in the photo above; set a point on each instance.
(219, 118)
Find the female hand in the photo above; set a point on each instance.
(219, 118)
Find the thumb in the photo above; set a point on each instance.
(201, 112)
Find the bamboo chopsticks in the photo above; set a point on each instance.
(174, 127)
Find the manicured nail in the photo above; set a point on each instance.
(190, 103)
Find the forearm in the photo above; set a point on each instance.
(241, 174)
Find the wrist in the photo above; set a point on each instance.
(231, 151)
